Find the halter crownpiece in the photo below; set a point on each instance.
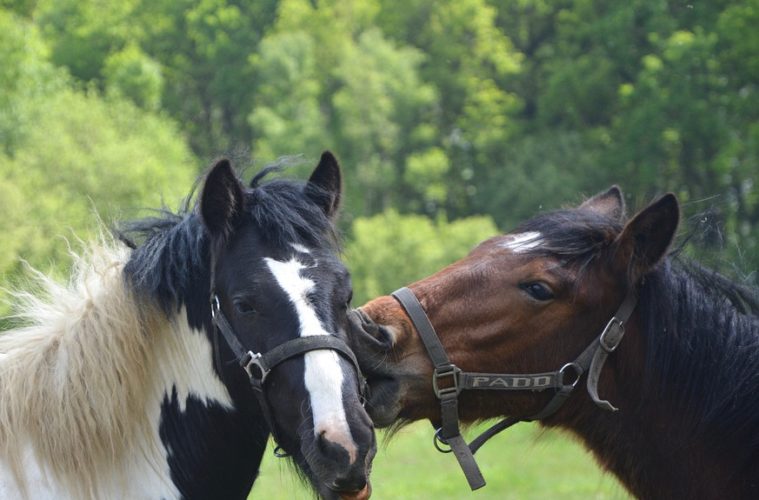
(591, 360)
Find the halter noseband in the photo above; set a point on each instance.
(258, 365)
(591, 360)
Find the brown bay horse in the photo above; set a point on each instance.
(671, 408)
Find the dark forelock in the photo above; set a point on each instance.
(171, 249)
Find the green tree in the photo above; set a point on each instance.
(327, 81)
(286, 116)
(133, 74)
(70, 156)
(439, 107)
(86, 157)
(25, 76)
(82, 34)
(388, 250)
(382, 117)
(468, 60)
(205, 51)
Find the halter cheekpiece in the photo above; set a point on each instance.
(448, 381)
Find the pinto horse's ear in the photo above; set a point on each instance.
(221, 202)
(610, 203)
(325, 184)
(646, 238)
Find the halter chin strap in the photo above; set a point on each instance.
(258, 365)
(448, 381)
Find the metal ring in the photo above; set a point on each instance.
(578, 373)
(438, 441)
(215, 305)
(252, 362)
(280, 453)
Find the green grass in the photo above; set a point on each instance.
(524, 462)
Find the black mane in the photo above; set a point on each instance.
(702, 338)
(701, 331)
(171, 250)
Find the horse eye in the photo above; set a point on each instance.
(243, 307)
(537, 291)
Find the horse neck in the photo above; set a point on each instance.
(115, 398)
(208, 417)
(688, 426)
(217, 436)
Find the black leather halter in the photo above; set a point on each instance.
(259, 365)
(448, 381)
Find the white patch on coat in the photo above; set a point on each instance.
(81, 387)
(38, 484)
(185, 362)
(522, 242)
(146, 480)
(323, 375)
(300, 248)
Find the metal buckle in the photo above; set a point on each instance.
(440, 443)
(616, 329)
(251, 362)
(578, 373)
(363, 390)
(446, 371)
(215, 306)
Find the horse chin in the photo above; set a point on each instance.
(330, 472)
(329, 492)
(363, 494)
(326, 493)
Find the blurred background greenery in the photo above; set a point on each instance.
(524, 463)
(453, 119)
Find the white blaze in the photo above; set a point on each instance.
(522, 242)
(323, 377)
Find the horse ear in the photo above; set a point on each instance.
(610, 203)
(221, 202)
(645, 239)
(325, 184)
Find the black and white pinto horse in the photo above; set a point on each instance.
(119, 386)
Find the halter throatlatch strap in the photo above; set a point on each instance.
(448, 381)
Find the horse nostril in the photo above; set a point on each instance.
(337, 447)
(330, 449)
(321, 442)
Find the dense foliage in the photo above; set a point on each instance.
(439, 110)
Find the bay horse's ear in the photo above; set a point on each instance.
(610, 203)
(325, 184)
(646, 238)
(222, 199)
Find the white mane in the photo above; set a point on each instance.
(81, 386)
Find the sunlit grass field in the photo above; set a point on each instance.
(524, 462)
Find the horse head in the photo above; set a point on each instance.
(278, 284)
(526, 302)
